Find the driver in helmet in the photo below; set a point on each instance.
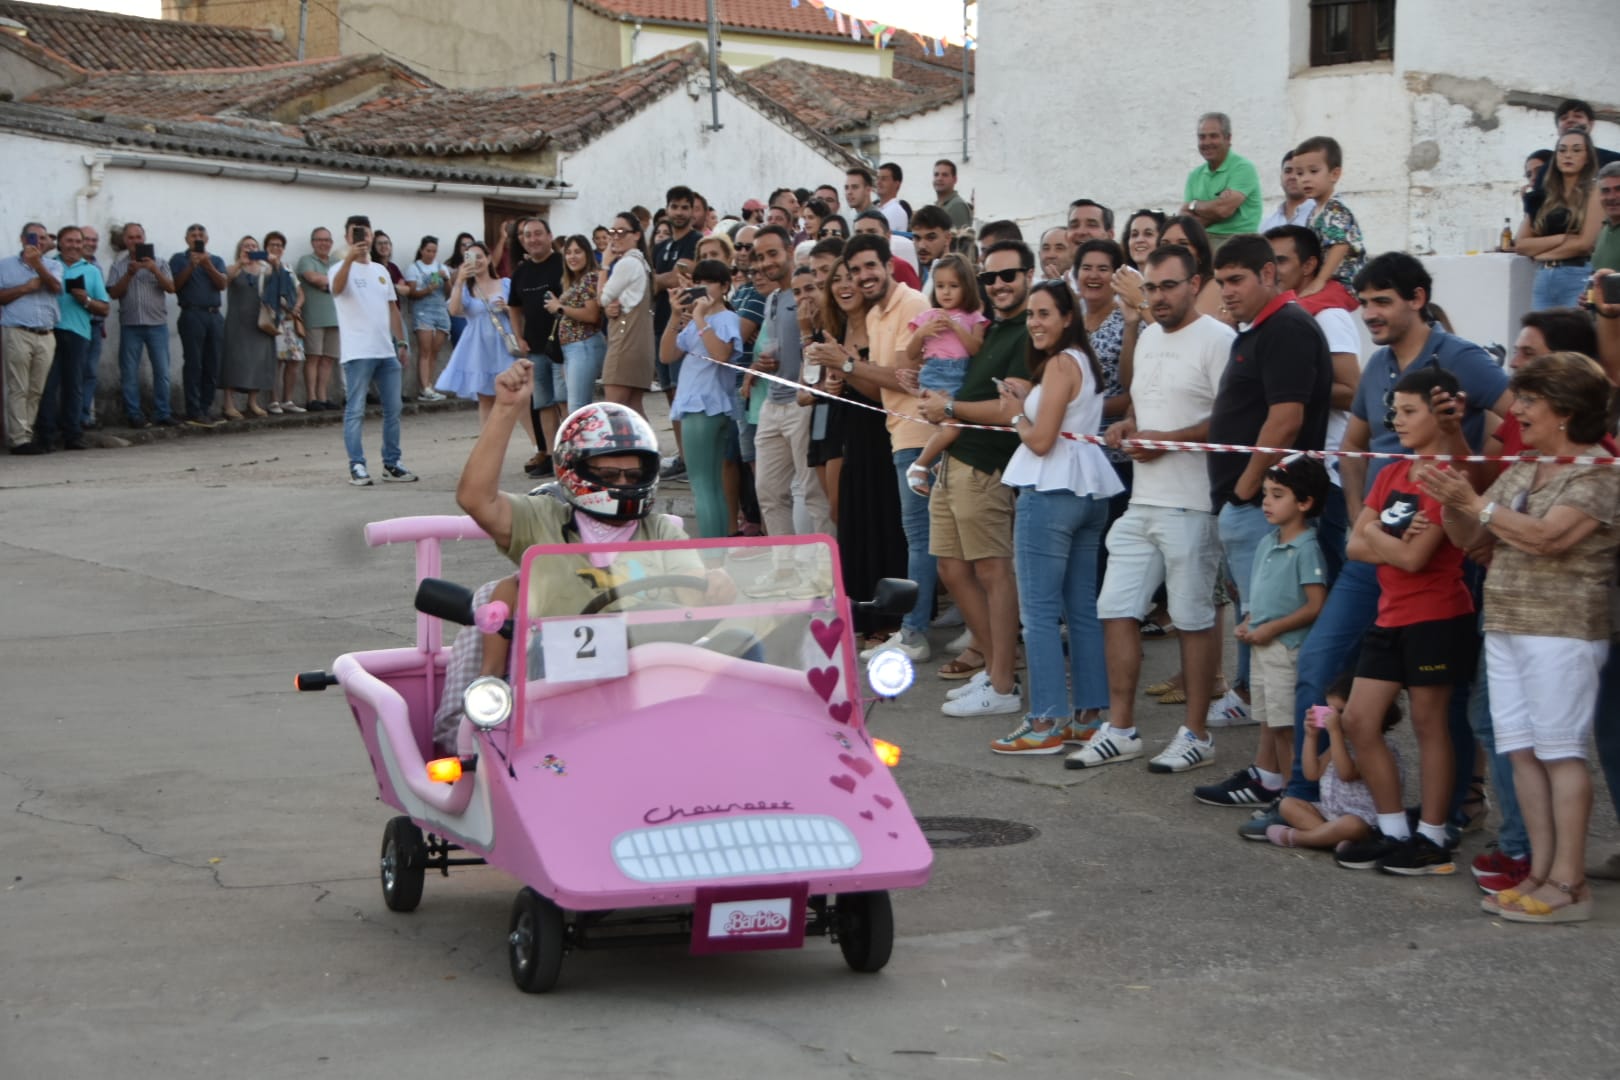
(607, 464)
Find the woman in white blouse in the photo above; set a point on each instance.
(1063, 490)
(627, 301)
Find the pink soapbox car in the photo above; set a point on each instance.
(659, 768)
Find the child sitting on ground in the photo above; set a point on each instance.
(943, 340)
(1286, 591)
(1345, 813)
(1318, 163)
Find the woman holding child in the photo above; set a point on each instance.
(1551, 527)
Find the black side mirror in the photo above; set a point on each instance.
(893, 596)
(448, 601)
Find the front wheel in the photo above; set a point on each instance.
(864, 923)
(404, 864)
(534, 942)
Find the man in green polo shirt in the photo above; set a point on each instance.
(1224, 192)
(970, 511)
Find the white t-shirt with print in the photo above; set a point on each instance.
(1343, 336)
(365, 330)
(1173, 386)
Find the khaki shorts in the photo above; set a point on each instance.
(321, 341)
(1272, 671)
(970, 514)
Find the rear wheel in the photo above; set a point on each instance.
(864, 923)
(534, 942)
(404, 865)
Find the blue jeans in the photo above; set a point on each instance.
(61, 408)
(920, 566)
(1558, 286)
(1607, 726)
(155, 339)
(1511, 838)
(582, 366)
(547, 389)
(1242, 529)
(1332, 532)
(92, 368)
(202, 341)
(1329, 650)
(1056, 535)
(357, 374)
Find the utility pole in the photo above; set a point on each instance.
(965, 79)
(570, 40)
(714, 64)
(303, 25)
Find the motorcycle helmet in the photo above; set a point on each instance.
(599, 430)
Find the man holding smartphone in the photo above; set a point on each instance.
(199, 282)
(141, 286)
(83, 297)
(28, 291)
(372, 338)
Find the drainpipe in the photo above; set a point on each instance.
(570, 40)
(965, 80)
(303, 25)
(714, 64)
(82, 197)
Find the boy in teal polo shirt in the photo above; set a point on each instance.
(1286, 592)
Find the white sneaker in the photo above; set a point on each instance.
(909, 642)
(274, 409)
(961, 641)
(1107, 747)
(1186, 751)
(289, 407)
(358, 476)
(951, 616)
(979, 681)
(1229, 710)
(985, 702)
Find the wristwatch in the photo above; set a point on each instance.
(1486, 514)
(1192, 206)
(950, 409)
(848, 365)
(1017, 417)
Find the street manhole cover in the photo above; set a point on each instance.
(974, 832)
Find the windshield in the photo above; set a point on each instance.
(622, 627)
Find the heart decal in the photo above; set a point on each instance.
(823, 680)
(843, 780)
(827, 634)
(867, 814)
(841, 711)
(894, 836)
(859, 765)
(883, 801)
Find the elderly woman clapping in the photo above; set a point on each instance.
(1551, 525)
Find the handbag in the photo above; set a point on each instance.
(267, 314)
(517, 349)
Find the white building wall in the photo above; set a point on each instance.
(668, 144)
(1433, 155)
(41, 177)
(916, 142)
(743, 51)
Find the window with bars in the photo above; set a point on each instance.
(1351, 31)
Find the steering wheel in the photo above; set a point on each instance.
(646, 584)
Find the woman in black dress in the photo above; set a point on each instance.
(871, 544)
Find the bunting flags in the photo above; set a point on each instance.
(881, 33)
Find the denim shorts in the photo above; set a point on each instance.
(430, 318)
(942, 373)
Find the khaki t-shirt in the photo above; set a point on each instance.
(1563, 595)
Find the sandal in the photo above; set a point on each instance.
(1159, 689)
(1529, 909)
(961, 669)
(1492, 905)
(920, 479)
(1177, 695)
(1152, 631)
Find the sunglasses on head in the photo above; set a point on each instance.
(1006, 277)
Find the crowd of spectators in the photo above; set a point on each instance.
(1470, 600)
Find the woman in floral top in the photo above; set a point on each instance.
(579, 321)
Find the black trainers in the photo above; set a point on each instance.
(398, 474)
(1365, 854)
(1416, 857)
(1242, 788)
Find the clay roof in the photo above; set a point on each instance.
(833, 100)
(98, 41)
(245, 93)
(446, 123)
(269, 146)
(765, 16)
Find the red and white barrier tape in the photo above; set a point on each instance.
(1168, 444)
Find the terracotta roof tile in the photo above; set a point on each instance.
(248, 93)
(769, 16)
(832, 100)
(98, 41)
(443, 122)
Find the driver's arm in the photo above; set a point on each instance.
(479, 490)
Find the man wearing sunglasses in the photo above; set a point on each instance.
(1394, 290)
(970, 511)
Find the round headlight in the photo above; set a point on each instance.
(890, 673)
(487, 702)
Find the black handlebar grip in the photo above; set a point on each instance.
(314, 680)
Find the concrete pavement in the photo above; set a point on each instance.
(188, 876)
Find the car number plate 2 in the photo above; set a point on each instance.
(749, 917)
